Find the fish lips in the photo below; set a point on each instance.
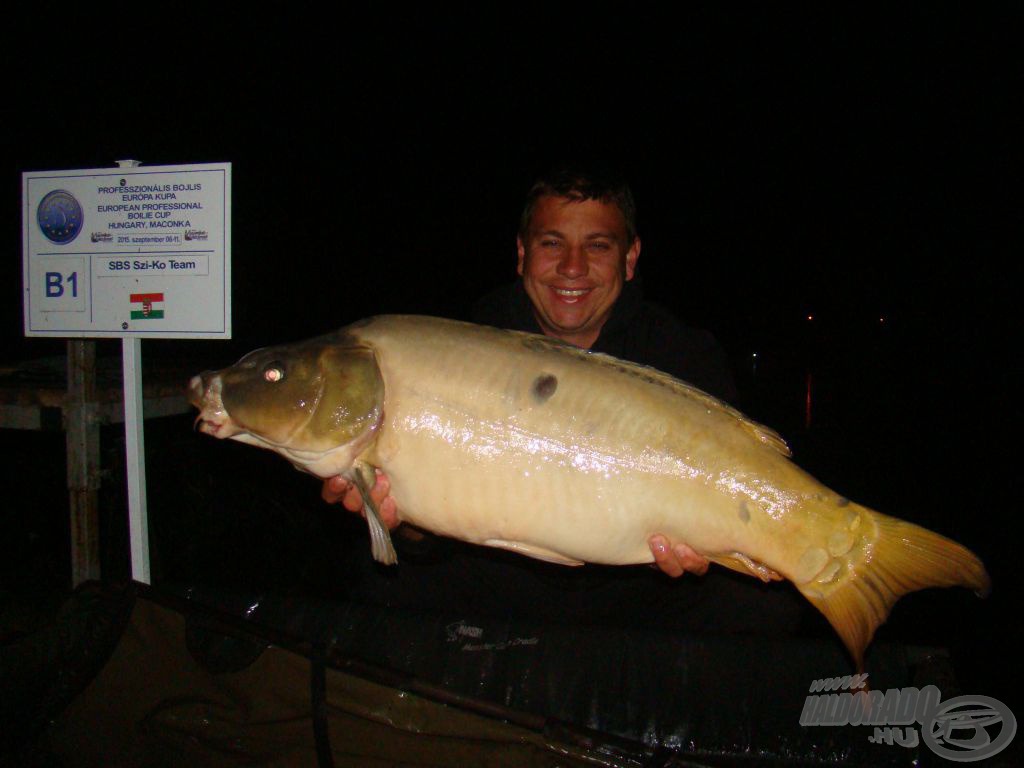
(204, 393)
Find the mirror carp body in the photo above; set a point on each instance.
(522, 442)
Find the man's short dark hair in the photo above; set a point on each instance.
(579, 185)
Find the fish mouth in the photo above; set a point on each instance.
(204, 393)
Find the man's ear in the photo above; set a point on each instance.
(631, 258)
(521, 251)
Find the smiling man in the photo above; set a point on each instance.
(575, 255)
(578, 249)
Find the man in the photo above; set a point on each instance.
(577, 249)
(577, 254)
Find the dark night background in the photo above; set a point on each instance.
(849, 166)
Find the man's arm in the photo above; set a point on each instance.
(674, 560)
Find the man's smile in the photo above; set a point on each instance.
(571, 295)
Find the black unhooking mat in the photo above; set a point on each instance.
(133, 676)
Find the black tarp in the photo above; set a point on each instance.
(135, 676)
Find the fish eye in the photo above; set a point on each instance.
(273, 372)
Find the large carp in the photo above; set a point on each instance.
(522, 442)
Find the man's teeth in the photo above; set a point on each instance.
(563, 292)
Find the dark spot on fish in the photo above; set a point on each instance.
(544, 387)
(744, 511)
(842, 501)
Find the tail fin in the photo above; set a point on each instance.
(902, 558)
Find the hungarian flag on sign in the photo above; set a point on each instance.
(147, 306)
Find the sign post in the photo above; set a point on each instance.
(129, 252)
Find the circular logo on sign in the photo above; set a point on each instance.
(60, 217)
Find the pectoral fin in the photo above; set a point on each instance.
(365, 477)
(740, 562)
(531, 550)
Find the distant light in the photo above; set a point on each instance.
(755, 354)
(810, 317)
(881, 319)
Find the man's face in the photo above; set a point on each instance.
(574, 262)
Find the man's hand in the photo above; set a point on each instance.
(339, 489)
(676, 560)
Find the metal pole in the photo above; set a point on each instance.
(135, 454)
(135, 447)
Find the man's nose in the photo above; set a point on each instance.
(573, 263)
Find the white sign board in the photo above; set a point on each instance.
(128, 252)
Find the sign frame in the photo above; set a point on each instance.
(92, 239)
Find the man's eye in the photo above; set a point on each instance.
(549, 243)
(600, 246)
